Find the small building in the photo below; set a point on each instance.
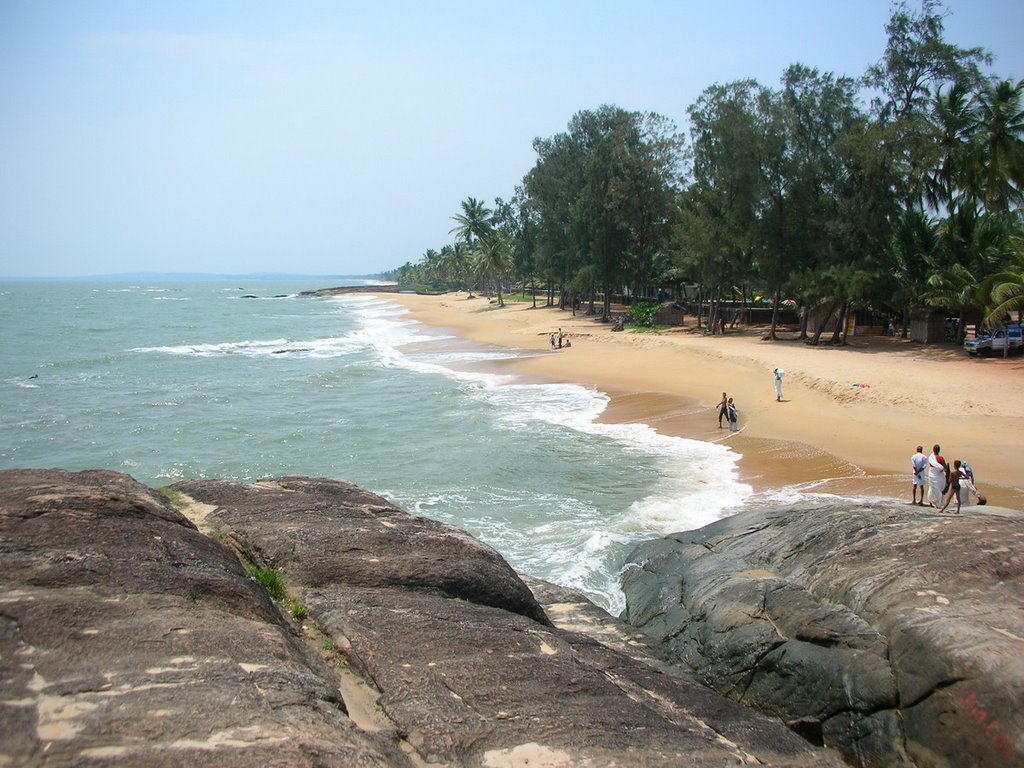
(928, 326)
(671, 313)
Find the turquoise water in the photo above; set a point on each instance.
(173, 380)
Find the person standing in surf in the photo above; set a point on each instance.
(734, 416)
(723, 410)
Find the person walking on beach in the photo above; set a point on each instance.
(552, 341)
(778, 384)
(954, 487)
(918, 462)
(723, 410)
(734, 416)
(938, 476)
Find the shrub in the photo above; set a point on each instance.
(643, 312)
(172, 496)
(271, 580)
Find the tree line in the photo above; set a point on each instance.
(896, 190)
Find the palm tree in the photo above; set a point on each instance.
(475, 221)
(1006, 288)
(954, 121)
(493, 260)
(457, 263)
(1000, 122)
(911, 249)
(972, 247)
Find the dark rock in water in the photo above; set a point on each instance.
(346, 289)
(128, 637)
(893, 634)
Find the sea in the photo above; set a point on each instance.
(242, 378)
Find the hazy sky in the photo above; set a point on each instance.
(339, 137)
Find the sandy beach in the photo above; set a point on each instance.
(849, 420)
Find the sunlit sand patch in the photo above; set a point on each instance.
(238, 737)
(60, 717)
(532, 754)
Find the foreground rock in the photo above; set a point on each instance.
(129, 637)
(891, 633)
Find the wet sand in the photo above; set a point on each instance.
(849, 420)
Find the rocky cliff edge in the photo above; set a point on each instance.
(888, 631)
(131, 635)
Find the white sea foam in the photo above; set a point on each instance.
(698, 479)
(696, 482)
(319, 347)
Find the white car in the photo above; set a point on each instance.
(993, 341)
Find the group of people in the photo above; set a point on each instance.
(562, 341)
(943, 482)
(727, 410)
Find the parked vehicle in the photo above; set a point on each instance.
(996, 341)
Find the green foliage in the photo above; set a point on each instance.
(273, 583)
(172, 496)
(642, 314)
(271, 580)
(893, 191)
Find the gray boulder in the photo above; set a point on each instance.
(894, 634)
(461, 658)
(128, 636)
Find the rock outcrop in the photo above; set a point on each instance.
(128, 636)
(889, 632)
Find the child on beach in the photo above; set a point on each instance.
(954, 486)
(734, 416)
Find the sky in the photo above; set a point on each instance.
(339, 137)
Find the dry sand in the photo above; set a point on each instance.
(849, 420)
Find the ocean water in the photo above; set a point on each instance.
(244, 379)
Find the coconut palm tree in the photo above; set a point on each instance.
(475, 221)
(999, 113)
(493, 259)
(458, 263)
(972, 247)
(1006, 288)
(954, 120)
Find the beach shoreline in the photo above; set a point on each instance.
(849, 420)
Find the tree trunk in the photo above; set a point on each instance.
(821, 328)
(805, 318)
(775, 316)
(846, 324)
(840, 324)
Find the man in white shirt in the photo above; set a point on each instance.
(918, 462)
